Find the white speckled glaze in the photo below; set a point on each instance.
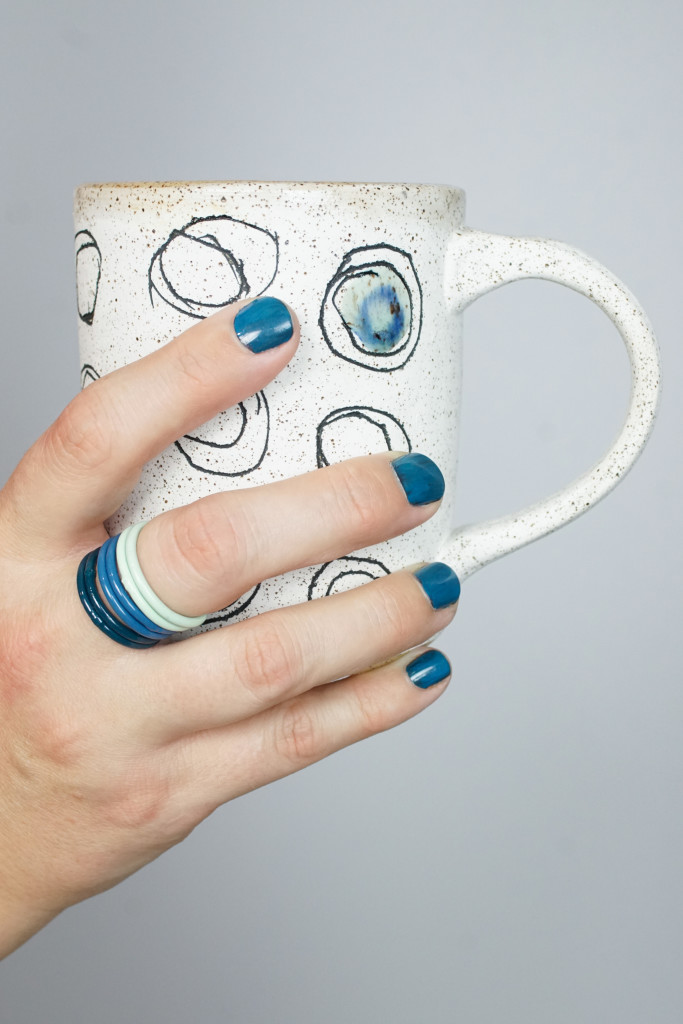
(152, 258)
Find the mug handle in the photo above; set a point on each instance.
(477, 263)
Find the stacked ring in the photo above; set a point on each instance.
(98, 611)
(118, 597)
(133, 615)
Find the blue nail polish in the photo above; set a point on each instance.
(420, 478)
(440, 584)
(265, 323)
(428, 668)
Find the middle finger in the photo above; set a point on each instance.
(202, 557)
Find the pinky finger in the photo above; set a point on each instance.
(228, 762)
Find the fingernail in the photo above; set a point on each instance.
(420, 478)
(440, 584)
(265, 323)
(428, 668)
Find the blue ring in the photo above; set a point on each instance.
(97, 610)
(118, 597)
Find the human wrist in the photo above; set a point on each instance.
(20, 916)
(18, 922)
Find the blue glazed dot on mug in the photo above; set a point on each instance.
(381, 319)
(375, 308)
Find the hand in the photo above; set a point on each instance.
(109, 755)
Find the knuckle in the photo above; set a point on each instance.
(206, 541)
(55, 746)
(41, 736)
(391, 614)
(297, 735)
(195, 369)
(371, 711)
(357, 499)
(60, 740)
(24, 656)
(83, 434)
(270, 662)
(137, 800)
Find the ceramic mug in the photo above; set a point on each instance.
(379, 276)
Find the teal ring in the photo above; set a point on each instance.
(98, 611)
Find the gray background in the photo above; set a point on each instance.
(514, 854)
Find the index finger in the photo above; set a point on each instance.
(84, 465)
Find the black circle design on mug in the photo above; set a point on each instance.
(233, 443)
(88, 374)
(358, 430)
(372, 309)
(211, 262)
(344, 574)
(88, 274)
(234, 609)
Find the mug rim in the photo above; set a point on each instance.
(264, 181)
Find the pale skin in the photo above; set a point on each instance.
(108, 755)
